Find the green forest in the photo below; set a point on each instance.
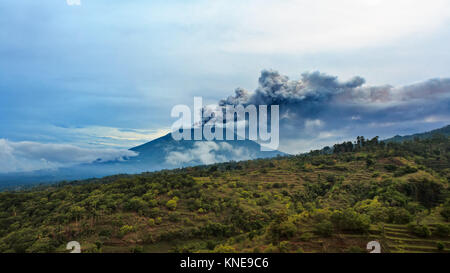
(332, 200)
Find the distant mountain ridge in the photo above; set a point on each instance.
(443, 131)
(161, 153)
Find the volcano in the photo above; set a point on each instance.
(158, 154)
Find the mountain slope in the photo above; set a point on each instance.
(166, 151)
(445, 131)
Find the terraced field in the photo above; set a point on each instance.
(398, 239)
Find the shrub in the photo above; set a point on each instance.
(154, 212)
(331, 178)
(350, 220)
(305, 237)
(216, 229)
(440, 246)
(399, 215)
(356, 249)
(137, 249)
(373, 208)
(125, 230)
(277, 185)
(405, 170)
(324, 228)
(442, 230)
(224, 249)
(270, 249)
(171, 204)
(210, 245)
(390, 167)
(257, 250)
(105, 233)
(135, 204)
(174, 217)
(42, 245)
(281, 230)
(419, 230)
(445, 212)
(187, 222)
(283, 247)
(428, 192)
(369, 162)
(152, 203)
(98, 244)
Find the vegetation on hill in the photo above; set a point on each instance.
(445, 131)
(332, 200)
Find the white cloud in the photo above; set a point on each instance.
(122, 134)
(436, 118)
(312, 124)
(30, 156)
(109, 136)
(207, 152)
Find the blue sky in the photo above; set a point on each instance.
(105, 74)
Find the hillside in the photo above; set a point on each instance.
(396, 193)
(441, 131)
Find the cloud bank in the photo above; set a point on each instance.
(31, 156)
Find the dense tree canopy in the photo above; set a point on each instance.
(293, 203)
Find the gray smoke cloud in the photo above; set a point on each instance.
(275, 88)
(322, 107)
